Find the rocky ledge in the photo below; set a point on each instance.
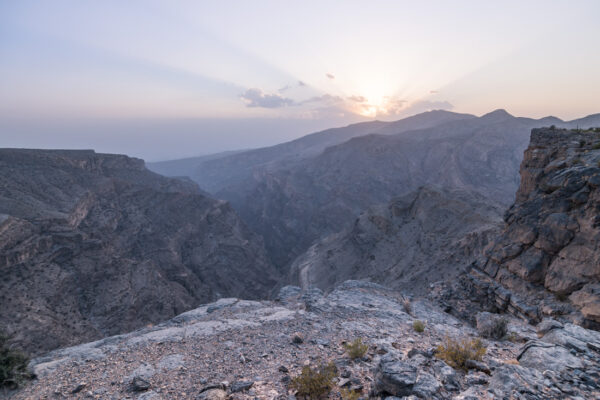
(241, 349)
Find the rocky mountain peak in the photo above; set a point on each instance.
(496, 116)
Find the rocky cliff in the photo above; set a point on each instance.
(428, 235)
(238, 349)
(546, 262)
(94, 244)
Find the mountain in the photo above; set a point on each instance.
(220, 171)
(546, 262)
(294, 205)
(95, 244)
(428, 235)
(298, 192)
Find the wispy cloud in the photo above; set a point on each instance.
(357, 99)
(255, 97)
(330, 76)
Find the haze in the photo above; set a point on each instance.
(160, 81)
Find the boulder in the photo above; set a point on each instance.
(542, 356)
(394, 377)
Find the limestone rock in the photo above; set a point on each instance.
(395, 378)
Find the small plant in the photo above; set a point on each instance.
(418, 326)
(457, 352)
(513, 337)
(13, 366)
(496, 330)
(348, 394)
(407, 305)
(314, 383)
(552, 127)
(356, 349)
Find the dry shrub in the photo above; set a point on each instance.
(356, 349)
(348, 394)
(496, 330)
(457, 352)
(418, 326)
(13, 366)
(314, 383)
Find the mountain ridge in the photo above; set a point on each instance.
(122, 246)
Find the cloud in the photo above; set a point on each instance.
(433, 91)
(255, 97)
(358, 99)
(326, 98)
(301, 84)
(330, 76)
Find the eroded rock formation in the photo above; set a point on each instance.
(546, 262)
(94, 245)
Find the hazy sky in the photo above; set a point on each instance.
(164, 79)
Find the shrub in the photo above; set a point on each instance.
(513, 337)
(496, 329)
(314, 383)
(13, 366)
(418, 326)
(596, 146)
(457, 352)
(407, 305)
(356, 349)
(348, 394)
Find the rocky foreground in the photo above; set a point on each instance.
(242, 349)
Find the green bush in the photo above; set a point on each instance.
(314, 383)
(356, 349)
(457, 352)
(13, 366)
(418, 326)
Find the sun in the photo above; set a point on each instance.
(368, 110)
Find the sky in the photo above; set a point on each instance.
(170, 79)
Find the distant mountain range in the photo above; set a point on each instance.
(298, 192)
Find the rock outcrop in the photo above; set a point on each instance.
(94, 245)
(546, 262)
(241, 349)
(429, 235)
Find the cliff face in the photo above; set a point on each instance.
(93, 245)
(423, 237)
(547, 259)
